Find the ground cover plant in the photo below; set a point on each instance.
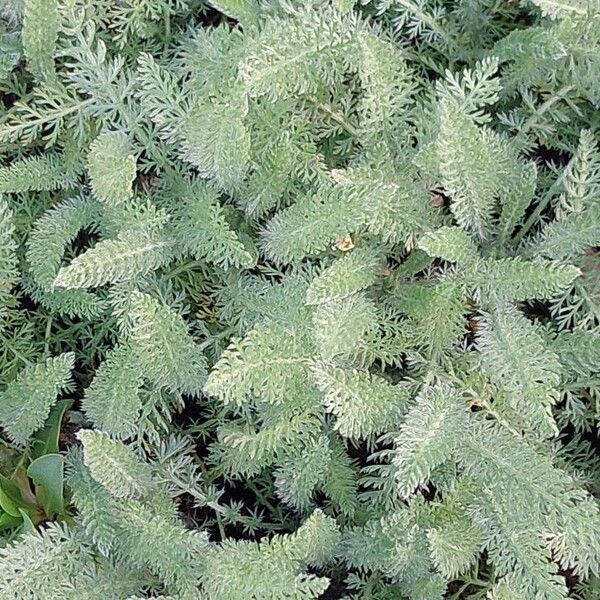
(299, 299)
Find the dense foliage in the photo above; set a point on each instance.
(299, 299)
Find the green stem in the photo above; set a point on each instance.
(220, 526)
(47, 117)
(471, 581)
(262, 498)
(22, 358)
(544, 108)
(216, 508)
(187, 266)
(539, 209)
(334, 115)
(429, 21)
(47, 335)
(367, 593)
(499, 418)
(585, 383)
(460, 591)
(167, 22)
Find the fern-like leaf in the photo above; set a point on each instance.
(112, 167)
(430, 432)
(26, 402)
(114, 465)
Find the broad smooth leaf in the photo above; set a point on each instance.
(28, 526)
(45, 441)
(10, 497)
(7, 521)
(47, 472)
